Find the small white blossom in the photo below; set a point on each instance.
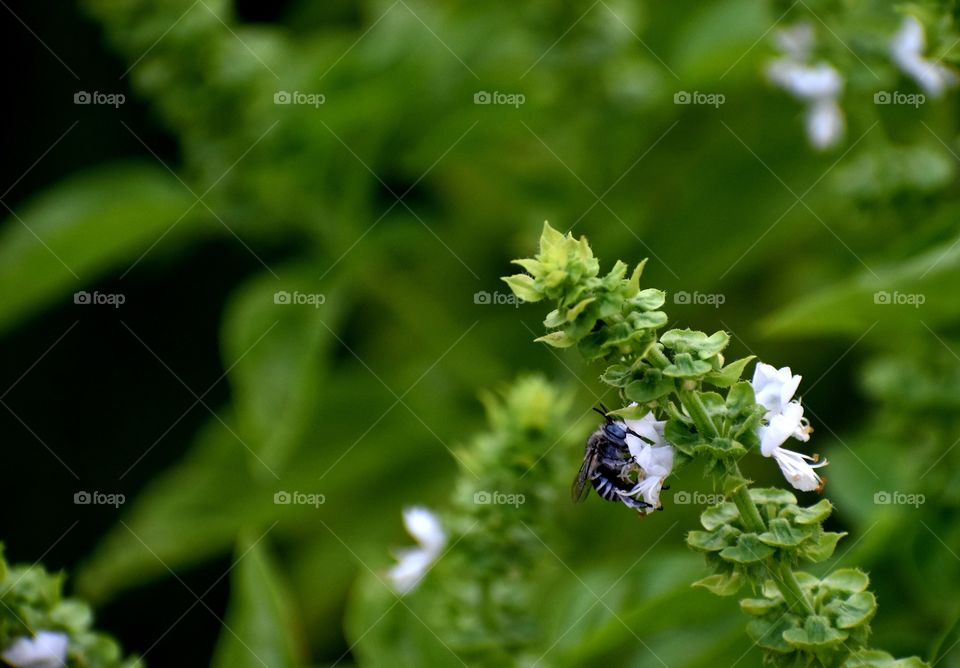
(47, 649)
(906, 50)
(774, 389)
(653, 454)
(818, 85)
(414, 562)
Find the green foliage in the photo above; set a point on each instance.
(32, 600)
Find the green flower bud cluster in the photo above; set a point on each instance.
(834, 635)
(31, 601)
(737, 553)
(482, 599)
(607, 318)
(758, 536)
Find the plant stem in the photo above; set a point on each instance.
(790, 589)
(698, 412)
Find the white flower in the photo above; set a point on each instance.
(414, 562)
(906, 50)
(774, 389)
(819, 85)
(825, 124)
(47, 649)
(653, 454)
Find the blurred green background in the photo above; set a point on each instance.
(397, 203)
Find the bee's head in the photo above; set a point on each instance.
(615, 430)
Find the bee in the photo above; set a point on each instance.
(608, 465)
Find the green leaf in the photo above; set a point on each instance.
(851, 580)
(523, 286)
(856, 610)
(879, 659)
(556, 340)
(814, 514)
(764, 495)
(729, 374)
(86, 226)
(769, 634)
(260, 627)
(758, 607)
(650, 387)
(721, 447)
(649, 300)
(274, 348)
(823, 548)
(782, 534)
(712, 541)
(684, 366)
(698, 343)
(855, 305)
(748, 550)
(718, 515)
(816, 635)
(721, 584)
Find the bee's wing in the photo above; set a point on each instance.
(580, 489)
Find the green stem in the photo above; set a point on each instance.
(790, 589)
(749, 512)
(698, 412)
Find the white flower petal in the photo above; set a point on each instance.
(797, 471)
(649, 429)
(47, 649)
(413, 563)
(424, 527)
(906, 50)
(774, 388)
(825, 124)
(782, 426)
(806, 82)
